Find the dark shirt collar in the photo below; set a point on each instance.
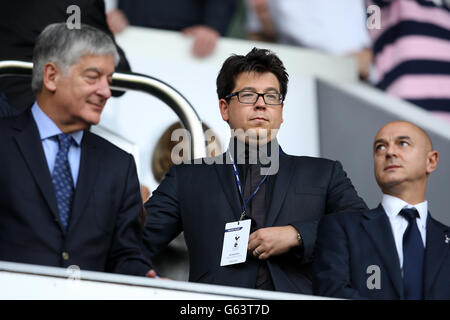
(244, 154)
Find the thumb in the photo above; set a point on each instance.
(151, 274)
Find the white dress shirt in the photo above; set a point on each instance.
(393, 206)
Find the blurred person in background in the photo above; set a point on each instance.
(412, 52)
(205, 21)
(333, 27)
(162, 154)
(173, 261)
(21, 21)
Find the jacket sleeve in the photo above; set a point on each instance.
(331, 267)
(125, 255)
(341, 196)
(163, 217)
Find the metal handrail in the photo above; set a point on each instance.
(138, 82)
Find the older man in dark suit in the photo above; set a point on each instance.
(68, 196)
(396, 251)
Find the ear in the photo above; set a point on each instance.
(50, 76)
(224, 109)
(432, 161)
(282, 106)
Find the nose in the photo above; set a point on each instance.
(260, 104)
(104, 88)
(391, 151)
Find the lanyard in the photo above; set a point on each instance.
(238, 181)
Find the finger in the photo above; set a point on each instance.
(200, 48)
(151, 274)
(211, 45)
(254, 235)
(255, 239)
(256, 252)
(189, 30)
(253, 244)
(205, 44)
(196, 46)
(264, 256)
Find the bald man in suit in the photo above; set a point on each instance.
(397, 250)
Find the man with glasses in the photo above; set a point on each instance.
(250, 215)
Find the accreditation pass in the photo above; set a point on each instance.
(235, 242)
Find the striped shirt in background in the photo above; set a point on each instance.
(412, 51)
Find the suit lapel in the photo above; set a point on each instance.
(29, 143)
(229, 186)
(435, 252)
(89, 168)
(282, 182)
(379, 230)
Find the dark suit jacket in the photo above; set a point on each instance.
(21, 21)
(348, 243)
(200, 199)
(104, 233)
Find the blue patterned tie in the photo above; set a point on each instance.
(413, 255)
(62, 179)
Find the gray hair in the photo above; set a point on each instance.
(65, 47)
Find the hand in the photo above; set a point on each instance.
(262, 11)
(364, 59)
(261, 7)
(205, 39)
(117, 21)
(272, 241)
(145, 193)
(152, 274)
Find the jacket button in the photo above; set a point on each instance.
(65, 256)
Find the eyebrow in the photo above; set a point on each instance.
(97, 70)
(253, 89)
(397, 138)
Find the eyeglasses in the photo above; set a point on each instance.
(250, 97)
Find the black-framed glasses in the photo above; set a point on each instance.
(250, 97)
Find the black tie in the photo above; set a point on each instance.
(257, 211)
(257, 207)
(413, 255)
